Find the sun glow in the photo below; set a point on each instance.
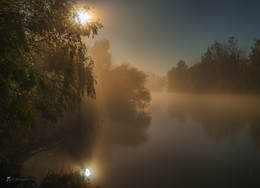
(82, 17)
(87, 172)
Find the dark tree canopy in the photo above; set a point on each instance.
(44, 67)
(224, 68)
(254, 67)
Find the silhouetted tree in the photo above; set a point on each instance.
(254, 66)
(177, 76)
(223, 68)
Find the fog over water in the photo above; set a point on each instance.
(144, 112)
(179, 140)
(182, 140)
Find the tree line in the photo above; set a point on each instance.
(223, 68)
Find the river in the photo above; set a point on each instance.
(182, 141)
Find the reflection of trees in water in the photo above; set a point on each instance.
(71, 142)
(255, 131)
(65, 181)
(220, 116)
(124, 126)
(53, 147)
(130, 131)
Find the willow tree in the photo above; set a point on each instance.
(44, 67)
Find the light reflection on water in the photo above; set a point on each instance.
(191, 140)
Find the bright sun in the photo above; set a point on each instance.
(82, 17)
(87, 172)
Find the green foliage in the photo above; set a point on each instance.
(44, 70)
(223, 68)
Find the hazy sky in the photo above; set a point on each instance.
(154, 35)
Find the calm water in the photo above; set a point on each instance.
(188, 141)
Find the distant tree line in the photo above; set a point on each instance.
(223, 68)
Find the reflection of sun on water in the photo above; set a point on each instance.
(91, 170)
(87, 172)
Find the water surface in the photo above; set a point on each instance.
(184, 141)
(192, 141)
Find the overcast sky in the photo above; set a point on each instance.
(154, 35)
